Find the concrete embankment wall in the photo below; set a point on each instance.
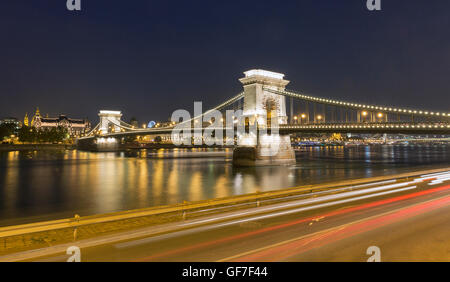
(35, 147)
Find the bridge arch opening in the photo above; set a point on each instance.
(247, 125)
(271, 108)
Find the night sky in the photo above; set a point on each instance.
(148, 58)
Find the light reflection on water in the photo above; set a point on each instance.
(42, 185)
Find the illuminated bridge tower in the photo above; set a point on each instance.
(260, 108)
(109, 121)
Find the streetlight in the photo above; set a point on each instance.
(303, 116)
(319, 117)
(364, 114)
(380, 116)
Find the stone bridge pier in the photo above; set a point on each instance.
(100, 144)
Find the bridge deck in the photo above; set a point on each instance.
(392, 128)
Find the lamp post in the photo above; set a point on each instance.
(380, 116)
(364, 115)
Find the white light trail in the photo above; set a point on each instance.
(219, 225)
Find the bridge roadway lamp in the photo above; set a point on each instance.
(303, 116)
(319, 118)
(364, 114)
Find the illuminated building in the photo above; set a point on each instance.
(75, 127)
(36, 115)
(25, 120)
(12, 121)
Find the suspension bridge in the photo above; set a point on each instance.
(265, 98)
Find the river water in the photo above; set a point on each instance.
(44, 185)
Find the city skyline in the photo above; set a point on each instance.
(166, 56)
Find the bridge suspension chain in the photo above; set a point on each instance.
(129, 127)
(126, 124)
(93, 130)
(218, 108)
(358, 106)
(121, 126)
